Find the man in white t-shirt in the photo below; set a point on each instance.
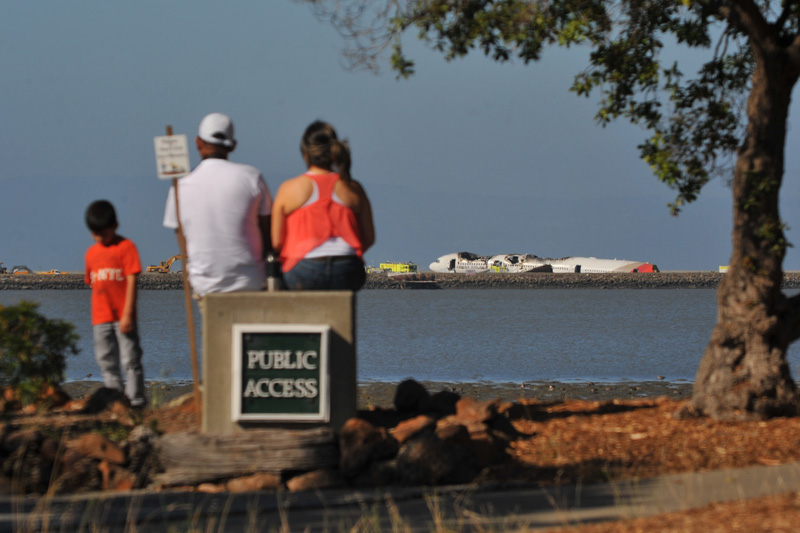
(225, 215)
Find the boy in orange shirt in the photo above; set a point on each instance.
(112, 267)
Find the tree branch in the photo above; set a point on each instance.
(746, 17)
(784, 16)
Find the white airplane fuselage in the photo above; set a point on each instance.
(466, 262)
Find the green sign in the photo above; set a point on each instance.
(280, 372)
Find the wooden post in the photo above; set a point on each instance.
(187, 296)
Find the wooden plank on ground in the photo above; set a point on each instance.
(189, 458)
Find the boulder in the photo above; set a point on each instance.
(424, 460)
(254, 482)
(105, 398)
(411, 427)
(443, 403)
(361, 443)
(140, 452)
(316, 480)
(98, 447)
(28, 460)
(411, 397)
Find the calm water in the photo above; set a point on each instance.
(462, 335)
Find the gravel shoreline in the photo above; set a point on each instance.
(532, 280)
(381, 393)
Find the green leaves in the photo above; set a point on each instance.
(32, 349)
(694, 123)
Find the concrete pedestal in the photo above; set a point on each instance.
(222, 311)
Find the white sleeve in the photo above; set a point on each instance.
(170, 218)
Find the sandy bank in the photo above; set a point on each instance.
(381, 394)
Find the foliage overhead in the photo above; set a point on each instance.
(695, 122)
(32, 349)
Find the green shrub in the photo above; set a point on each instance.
(32, 349)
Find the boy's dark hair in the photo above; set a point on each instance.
(100, 215)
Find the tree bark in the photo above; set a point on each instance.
(744, 374)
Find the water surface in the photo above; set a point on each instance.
(461, 335)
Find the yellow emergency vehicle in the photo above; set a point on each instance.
(399, 268)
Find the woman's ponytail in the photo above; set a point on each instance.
(340, 156)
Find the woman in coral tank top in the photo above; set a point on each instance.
(322, 219)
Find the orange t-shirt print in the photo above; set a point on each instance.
(107, 268)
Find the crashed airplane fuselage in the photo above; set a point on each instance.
(469, 263)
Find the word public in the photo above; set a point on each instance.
(281, 360)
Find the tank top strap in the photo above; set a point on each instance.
(325, 184)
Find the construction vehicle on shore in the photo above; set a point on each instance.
(21, 269)
(164, 266)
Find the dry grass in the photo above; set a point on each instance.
(773, 514)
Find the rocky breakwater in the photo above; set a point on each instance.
(546, 280)
(532, 280)
(147, 281)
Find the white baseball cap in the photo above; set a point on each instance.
(217, 128)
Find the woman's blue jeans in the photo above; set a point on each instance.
(338, 273)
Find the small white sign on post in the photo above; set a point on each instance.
(172, 156)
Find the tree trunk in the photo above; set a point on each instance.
(744, 374)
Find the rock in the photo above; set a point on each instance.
(52, 396)
(142, 434)
(5, 431)
(211, 488)
(10, 394)
(115, 478)
(78, 474)
(380, 474)
(443, 403)
(469, 410)
(105, 398)
(98, 447)
(182, 404)
(459, 444)
(411, 397)
(380, 417)
(424, 460)
(316, 480)
(140, 451)
(25, 463)
(360, 443)
(411, 427)
(488, 448)
(454, 434)
(254, 482)
(9, 400)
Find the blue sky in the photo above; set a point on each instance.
(467, 155)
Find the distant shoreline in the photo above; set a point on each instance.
(381, 393)
(537, 280)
